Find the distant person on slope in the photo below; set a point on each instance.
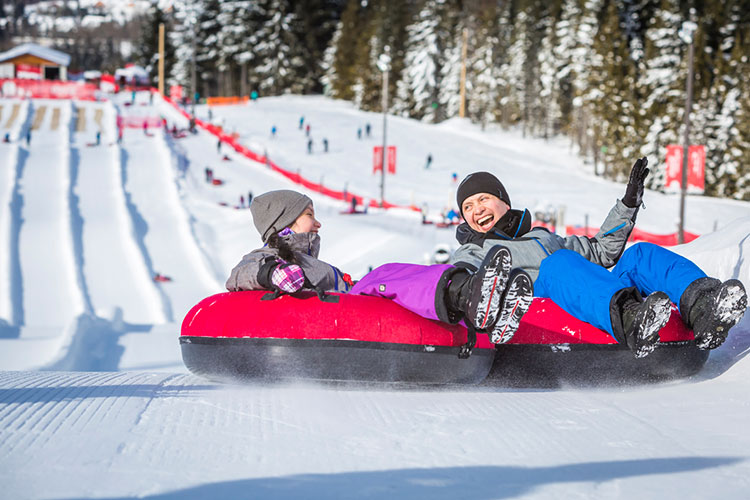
(572, 271)
(288, 262)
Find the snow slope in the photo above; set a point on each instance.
(95, 401)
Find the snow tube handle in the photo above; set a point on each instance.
(471, 340)
(322, 296)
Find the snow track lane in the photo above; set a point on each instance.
(52, 296)
(12, 161)
(166, 233)
(450, 443)
(116, 272)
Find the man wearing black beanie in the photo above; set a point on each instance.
(572, 270)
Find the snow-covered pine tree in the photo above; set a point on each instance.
(147, 53)
(418, 87)
(550, 93)
(611, 95)
(450, 41)
(482, 74)
(234, 17)
(342, 75)
(315, 22)
(278, 54)
(663, 82)
(512, 102)
(207, 50)
(181, 36)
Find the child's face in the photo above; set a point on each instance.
(483, 210)
(306, 223)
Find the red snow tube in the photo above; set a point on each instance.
(239, 336)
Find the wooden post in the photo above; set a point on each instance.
(161, 59)
(462, 100)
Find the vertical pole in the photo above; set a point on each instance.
(385, 142)
(161, 59)
(462, 101)
(686, 143)
(193, 70)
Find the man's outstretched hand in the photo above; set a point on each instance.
(634, 191)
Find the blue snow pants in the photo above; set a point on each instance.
(585, 289)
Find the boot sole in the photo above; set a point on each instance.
(652, 318)
(729, 308)
(515, 302)
(496, 268)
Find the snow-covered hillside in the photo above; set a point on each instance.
(95, 401)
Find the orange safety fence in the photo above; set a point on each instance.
(231, 140)
(219, 101)
(665, 240)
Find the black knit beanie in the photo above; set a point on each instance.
(275, 210)
(480, 182)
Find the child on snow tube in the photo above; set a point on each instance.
(485, 296)
(572, 271)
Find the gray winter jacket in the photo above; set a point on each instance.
(306, 247)
(530, 247)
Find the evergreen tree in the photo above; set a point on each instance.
(612, 95)
(343, 74)
(207, 49)
(314, 27)
(147, 53)
(418, 87)
(664, 84)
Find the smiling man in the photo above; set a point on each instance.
(572, 270)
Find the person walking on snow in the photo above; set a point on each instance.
(572, 271)
(288, 262)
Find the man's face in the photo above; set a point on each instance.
(483, 210)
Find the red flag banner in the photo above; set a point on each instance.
(696, 168)
(377, 159)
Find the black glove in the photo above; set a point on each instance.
(634, 191)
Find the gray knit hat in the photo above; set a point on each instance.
(275, 210)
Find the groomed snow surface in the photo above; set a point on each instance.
(96, 403)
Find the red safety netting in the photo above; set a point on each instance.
(665, 240)
(139, 121)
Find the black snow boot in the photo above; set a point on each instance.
(642, 320)
(516, 301)
(711, 308)
(477, 296)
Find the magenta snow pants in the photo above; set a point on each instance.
(414, 287)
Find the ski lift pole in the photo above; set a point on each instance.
(384, 62)
(686, 33)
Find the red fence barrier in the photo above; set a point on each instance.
(49, 89)
(292, 176)
(665, 240)
(139, 121)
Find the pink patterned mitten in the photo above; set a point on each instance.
(288, 277)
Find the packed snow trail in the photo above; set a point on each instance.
(114, 268)
(197, 440)
(52, 296)
(169, 244)
(12, 159)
